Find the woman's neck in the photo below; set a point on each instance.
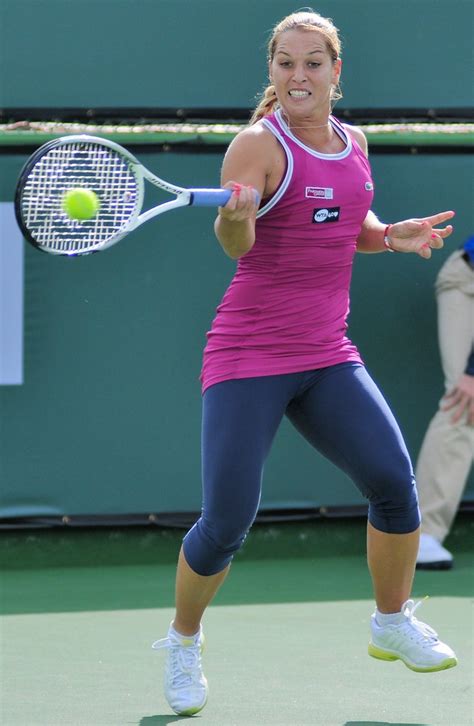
(305, 124)
(315, 133)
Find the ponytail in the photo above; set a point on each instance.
(266, 106)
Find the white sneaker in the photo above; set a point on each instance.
(432, 555)
(412, 642)
(185, 684)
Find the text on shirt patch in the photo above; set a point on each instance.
(319, 192)
(326, 214)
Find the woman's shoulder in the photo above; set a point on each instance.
(255, 133)
(358, 135)
(252, 155)
(254, 140)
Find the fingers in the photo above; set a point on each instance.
(245, 194)
(451, 399)
(460, 409)
(470, 414)
(462, 404)
(445, 232)
(438, 218)
(438, 235)
(242, 203)
(436, 241)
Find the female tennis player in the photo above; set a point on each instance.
(278, 346)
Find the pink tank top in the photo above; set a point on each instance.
(286, 308)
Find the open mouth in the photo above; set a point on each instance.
(294, 93)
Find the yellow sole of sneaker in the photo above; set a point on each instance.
(191, 711)
(387, 655)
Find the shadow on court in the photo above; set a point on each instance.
(159, 720)
(163, 720)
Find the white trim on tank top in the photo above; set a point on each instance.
(289, 170)
(345, 137)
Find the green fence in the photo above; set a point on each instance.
(108, 418)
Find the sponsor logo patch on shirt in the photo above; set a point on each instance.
(319, 192)
(326, 214)
(369, 186)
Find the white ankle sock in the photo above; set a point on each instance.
(174, 632)
(388, 618)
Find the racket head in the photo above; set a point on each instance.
(69, 162)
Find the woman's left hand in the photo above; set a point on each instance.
(419, 235)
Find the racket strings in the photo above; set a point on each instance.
(90, 166)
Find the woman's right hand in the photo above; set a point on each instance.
(242, 205)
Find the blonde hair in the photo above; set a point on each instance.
(302, 20)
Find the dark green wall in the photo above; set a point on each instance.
(108, 418)
(190, 53)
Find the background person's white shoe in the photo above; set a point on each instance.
(186, 687)
(411, 641)
(432, 555)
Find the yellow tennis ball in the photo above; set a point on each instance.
(81, 203)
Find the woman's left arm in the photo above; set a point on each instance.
(411, 235)
(420, 235)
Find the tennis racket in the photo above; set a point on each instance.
(113, 174)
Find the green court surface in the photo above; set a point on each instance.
(286, 637)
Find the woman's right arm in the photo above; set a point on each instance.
(245, 170)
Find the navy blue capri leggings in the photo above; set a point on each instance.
(340, 412)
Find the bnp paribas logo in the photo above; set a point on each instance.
(319, 192)
(326, 214)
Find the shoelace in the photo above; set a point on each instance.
(183, 662)
(419, 631)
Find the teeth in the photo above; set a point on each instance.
(299, 94)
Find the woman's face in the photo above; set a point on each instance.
(303, 71)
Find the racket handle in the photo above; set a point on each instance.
(212, 197)
(209, 197)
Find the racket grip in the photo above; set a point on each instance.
(209, 197)
(212, 197)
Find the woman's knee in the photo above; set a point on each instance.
(393, 506)
(210, 546)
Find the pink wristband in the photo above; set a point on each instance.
(386, 239)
